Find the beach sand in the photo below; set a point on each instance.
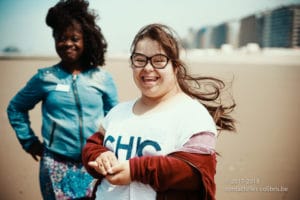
(259, 161)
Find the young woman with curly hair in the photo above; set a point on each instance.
(75, 94)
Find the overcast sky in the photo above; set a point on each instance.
(22, 22)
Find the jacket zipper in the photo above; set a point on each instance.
(78, 105)
(52, 134)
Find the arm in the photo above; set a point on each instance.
(178, 171)
(18, 115)
(164, 172)
(189, 168)
(185, 168)
(96, 158)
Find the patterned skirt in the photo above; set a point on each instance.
(63, 179)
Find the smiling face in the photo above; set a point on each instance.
(69, 45)
(154, 83)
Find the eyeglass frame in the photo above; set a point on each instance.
(149, 59)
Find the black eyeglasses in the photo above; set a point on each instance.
(158, 61)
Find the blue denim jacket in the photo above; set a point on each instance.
(72, 108)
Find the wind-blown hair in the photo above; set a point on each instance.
(206, 89)
(69, 12)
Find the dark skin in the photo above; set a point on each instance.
(69, 45)
(36, 150)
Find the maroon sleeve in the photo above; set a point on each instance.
(164, 173)
(206, 165)
(91, 151)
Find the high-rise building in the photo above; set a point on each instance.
(281, 27)
(296, 27)
(273, 28)
(233, 30)
(219, 35)
(248, 31)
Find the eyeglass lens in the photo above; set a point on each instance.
(157, 61)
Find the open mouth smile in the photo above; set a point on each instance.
(149, 78)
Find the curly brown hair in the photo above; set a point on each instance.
(206, 89)
(68, 12)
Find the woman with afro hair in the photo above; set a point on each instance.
(76, 94)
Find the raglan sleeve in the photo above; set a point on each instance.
(19, 107)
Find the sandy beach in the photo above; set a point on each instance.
(259, 161)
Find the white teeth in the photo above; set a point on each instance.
(149, 78)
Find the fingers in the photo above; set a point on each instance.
(113, 160)
(104, 163)
(40, 152)
(116, 168)
(107, 166)
(121, 174)
(35, 158)
(98, 166)
(108, 160)
(93, 164)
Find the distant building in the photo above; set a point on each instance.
(266, 20)
(233, 31)
(190, 40)
(219, 35)
(203, 38)
(260, 22)
(296, 27)
(200, 38)
(281, 27)
(248, 31)
(276, 28)
(208, 42)
(273, 28)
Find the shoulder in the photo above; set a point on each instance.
(101, 77)
(196, 110)
(195, 117)
(118, 113)
(52, 72)
(100, 72)
(48, 70)
(191, 105)
(42, 74)
(122, 107)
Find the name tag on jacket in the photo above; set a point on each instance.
(62, 88)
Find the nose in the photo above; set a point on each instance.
(68, 42)
(148, 66)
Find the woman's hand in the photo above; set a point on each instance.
(115, 172)
(104, 163)
(120, 174)
(36, 150)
